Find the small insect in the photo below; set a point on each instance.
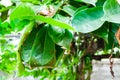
(117, 35)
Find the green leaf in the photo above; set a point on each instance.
(53, 22)
(26, 45)
(21, 67)
(59, 35)
(88, 20)
(100, 2)
(43, 50)
(102, 32)
(56, 33)
(5, 8)
(111, 11)
(112, 41)
(88, 1)
(5, 28)
(80, 9)
(69, 9)
(21, 12)
(27, 41)
(66, 41)
(20, 25)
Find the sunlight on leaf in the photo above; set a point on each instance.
(53, 22)
(111, 11)
(88, 20)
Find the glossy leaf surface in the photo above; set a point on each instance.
(88, 20)
(27, 41)
(54, 22)
(20, 16)
(43, 49)
(112, 11)
(61, 36)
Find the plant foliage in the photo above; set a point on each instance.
(56, 34)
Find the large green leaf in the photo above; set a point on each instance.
(88, 20)
(43, 50)
(26, 47)
(59, 35)
(112, 11)
(27, 41)
(56, 33)
(21, 12)
(53, 22)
